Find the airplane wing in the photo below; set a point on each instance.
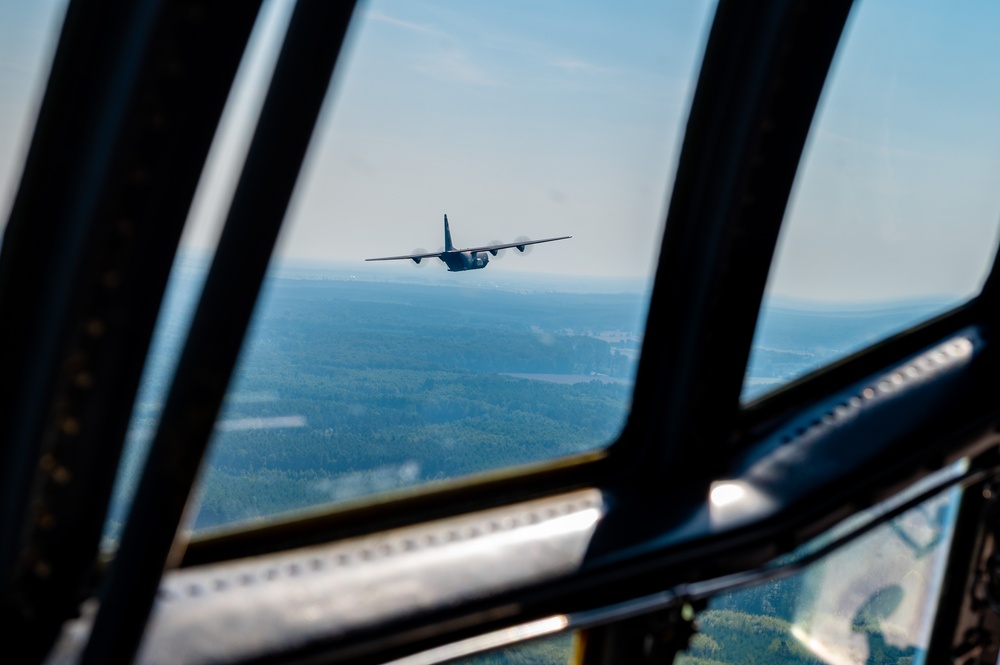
(520, 245)
(408, 256)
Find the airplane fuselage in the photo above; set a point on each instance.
(459, 261)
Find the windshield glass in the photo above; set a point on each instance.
(28, 35)
(518, 122)
(839, 611)
(893, 215)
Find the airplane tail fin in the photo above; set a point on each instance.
(447, 236)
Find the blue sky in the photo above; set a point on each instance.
(27, 38)
(537, 119)
(899, 193)
(561, 117)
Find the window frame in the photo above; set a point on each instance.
(110, 172)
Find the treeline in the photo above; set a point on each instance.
(398, 326)
(349, 304)
(432, 346)
(727, 637)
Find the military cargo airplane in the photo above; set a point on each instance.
(472, 258)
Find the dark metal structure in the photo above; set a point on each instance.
(615, 543)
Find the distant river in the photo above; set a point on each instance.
(572, 378)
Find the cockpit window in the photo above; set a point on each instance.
(28, 33)
(838, 610)
(893, 215)
(519, 122)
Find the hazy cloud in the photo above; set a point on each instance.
(577, 65)
(455, 66)
(400, 23)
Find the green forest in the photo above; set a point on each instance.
(545, 651)
(348, 389)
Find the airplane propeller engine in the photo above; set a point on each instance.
(497, 253)
(419, 261)
(524, 249)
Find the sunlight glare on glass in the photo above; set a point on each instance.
(481, 643)
(726, 493)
